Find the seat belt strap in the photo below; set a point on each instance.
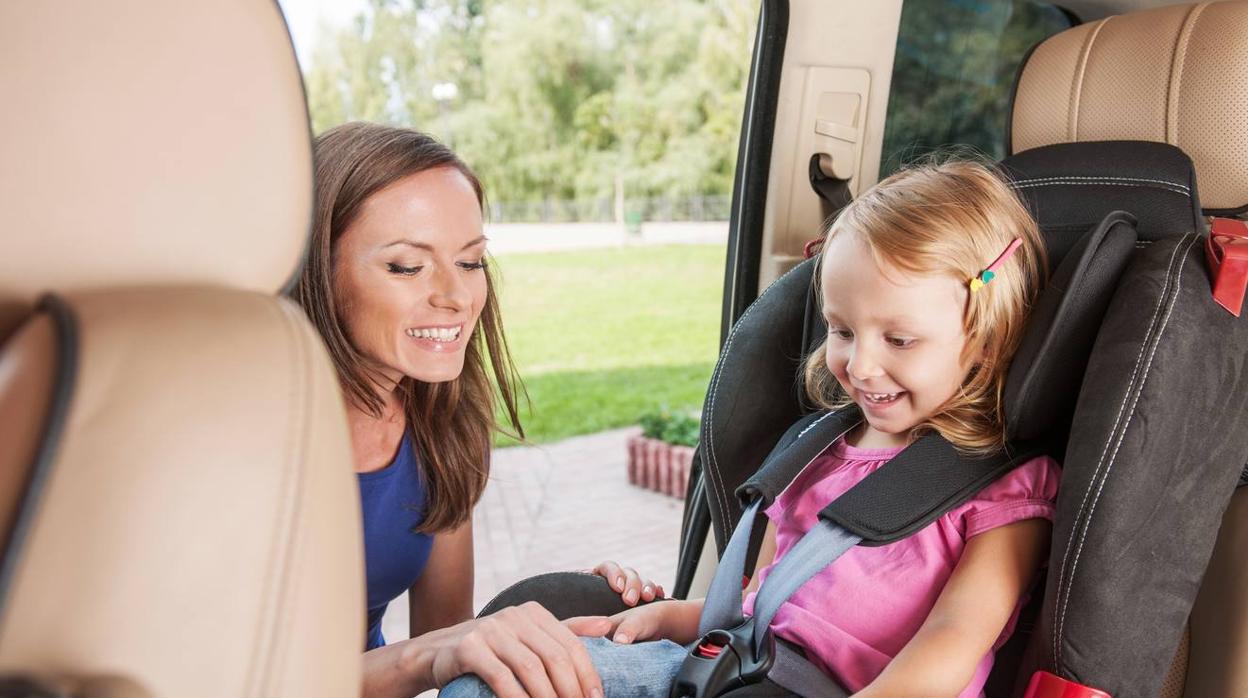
(820, 547)
(798, 675)
(722, 608)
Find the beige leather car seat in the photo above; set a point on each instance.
(178, 512)
(1178, 75)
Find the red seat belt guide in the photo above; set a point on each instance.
(1226, 251)
(1046, 685)
(812, 247)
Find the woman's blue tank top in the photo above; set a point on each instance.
(393, 501)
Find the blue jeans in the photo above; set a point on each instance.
(643, 670)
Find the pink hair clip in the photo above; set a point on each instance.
(988, 274)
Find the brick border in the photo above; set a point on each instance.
(659, 466)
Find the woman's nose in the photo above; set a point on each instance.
(450, 290)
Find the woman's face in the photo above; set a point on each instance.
(409, 274)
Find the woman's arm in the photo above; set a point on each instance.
(970, 613)
(442, 596)
(519, 651)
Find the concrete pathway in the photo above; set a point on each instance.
(564, 506)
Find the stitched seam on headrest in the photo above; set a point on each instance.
(1106, 179)
(1076, 86)
(1176, 73)
(1081, 525)
(1184, 191)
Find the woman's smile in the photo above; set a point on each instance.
(441, 339)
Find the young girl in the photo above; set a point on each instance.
(920, 338)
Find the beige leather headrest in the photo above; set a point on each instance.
(150, 143)
(1175, 74)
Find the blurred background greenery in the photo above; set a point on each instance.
(551, 99)
(604, 336)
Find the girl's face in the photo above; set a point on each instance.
(410, 278)
(895, 339)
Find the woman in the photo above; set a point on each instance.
(397, 284)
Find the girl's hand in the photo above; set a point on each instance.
(667, 620)
(521, 651)
(628, 583)
(640, 624)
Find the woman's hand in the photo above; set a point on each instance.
(520, 651)
(628, 583)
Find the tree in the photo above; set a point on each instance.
(556, 98)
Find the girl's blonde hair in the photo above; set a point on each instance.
(951, 218)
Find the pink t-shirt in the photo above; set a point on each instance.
(855, 615)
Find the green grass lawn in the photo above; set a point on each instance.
(600, 336)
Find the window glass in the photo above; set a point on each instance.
(954, 72)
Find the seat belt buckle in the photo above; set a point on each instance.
(723, 661)
(1046, 685)
(1226, 252)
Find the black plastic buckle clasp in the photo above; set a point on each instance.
(724, 660)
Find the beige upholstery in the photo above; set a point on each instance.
(139, 143)
(198, 533)
(1176, 74)
(1219, 657)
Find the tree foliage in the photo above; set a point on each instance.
(562, 99)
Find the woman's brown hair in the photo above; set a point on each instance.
(452, 422)
(952, 218)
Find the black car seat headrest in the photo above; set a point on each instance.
(1044, 377)
(1070, 187)
(1175, 74)
(1091, 201)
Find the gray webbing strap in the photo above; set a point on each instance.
(795, 673)
(820, 547)
(722, 608)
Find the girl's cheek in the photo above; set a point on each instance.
(835, 361)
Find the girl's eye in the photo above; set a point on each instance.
(840, 333)
(472, 266)
(402, 270)
(900, 342)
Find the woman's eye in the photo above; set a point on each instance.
(402, 270)
(471, 266)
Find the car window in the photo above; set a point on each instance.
(954, 72)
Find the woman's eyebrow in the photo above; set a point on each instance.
(427, 246)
